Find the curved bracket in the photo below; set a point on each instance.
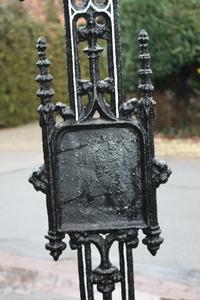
(39, 179)
(160, 172)
(105, 276)
(129, 107)
(64, 110)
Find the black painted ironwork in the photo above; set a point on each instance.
(99, 174)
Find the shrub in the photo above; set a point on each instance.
(18, 55)
(174, 31)
(18, 37)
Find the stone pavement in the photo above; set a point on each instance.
(27, 278)
(28, 138)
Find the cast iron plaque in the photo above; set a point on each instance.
(99, 177)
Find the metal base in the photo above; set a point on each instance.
(105, 276)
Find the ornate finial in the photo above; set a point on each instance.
(153, 240)
(159, 172)
(146, 87)
(42, 177)
(56, 246)
(45, 92)
(100, 24)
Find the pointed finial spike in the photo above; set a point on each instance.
(41, 44)
(42, 39)
(45, 91)
(56, 246)
(143, 32)
(143, 36)
(145, 87)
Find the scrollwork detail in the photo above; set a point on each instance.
(39, 179)
(160, 172)
(64, 110)
(130, 107)
(105, 276)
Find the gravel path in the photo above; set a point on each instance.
(28, 138)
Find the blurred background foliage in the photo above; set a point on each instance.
(18, 36)
(174, 31)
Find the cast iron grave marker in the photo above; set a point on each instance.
(99, 174)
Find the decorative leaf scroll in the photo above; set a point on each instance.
(130, 107)
(161, 172)
(90, 33)
(64, 110)
(105, 276)
(39, 179)
(100, 23)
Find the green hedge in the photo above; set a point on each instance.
(18, 55)
(18, 37)
(174, 31)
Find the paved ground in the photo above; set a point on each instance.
(26, 270)
(28, 138)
